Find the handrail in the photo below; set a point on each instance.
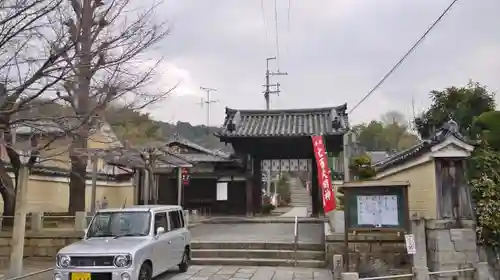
(451, 271)
(411, 274)
(295, 239)
(388, 277)
(31, 274)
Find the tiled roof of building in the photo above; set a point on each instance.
(134, 157)
(176, 138)
(42, 170)
(195, 158)
(447, 130)
(290, 122)
(377, 156)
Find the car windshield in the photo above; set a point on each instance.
(107, 224)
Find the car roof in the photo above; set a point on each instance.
(142, 208)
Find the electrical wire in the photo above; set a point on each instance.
(277, 34)
(288, 18)
(263, 12)
(287, 43)
(393, 69)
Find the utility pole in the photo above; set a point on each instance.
(208, 102)
(268, 91)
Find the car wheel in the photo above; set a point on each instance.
(146, 272)
(184, 265)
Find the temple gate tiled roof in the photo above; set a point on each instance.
(290, 122)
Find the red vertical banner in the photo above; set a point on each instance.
(185, 176)
(324, 178)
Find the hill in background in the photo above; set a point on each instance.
(132, 126)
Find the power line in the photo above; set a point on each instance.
(263, 12)
(288, 16)
(393, 69)
(276, 34)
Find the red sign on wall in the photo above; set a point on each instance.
(185, 176)
(324, 176)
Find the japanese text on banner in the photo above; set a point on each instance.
(324, 176)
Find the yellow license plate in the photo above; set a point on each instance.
(80, 276)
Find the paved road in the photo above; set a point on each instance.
(251, 232)
(29, 266)
(242, 273)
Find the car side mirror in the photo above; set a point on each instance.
(160, 230)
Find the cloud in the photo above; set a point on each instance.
(334, 52)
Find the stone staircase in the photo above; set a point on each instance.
(257, 254)
(300, 195)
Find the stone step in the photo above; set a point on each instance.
(257, 262)
(301, 199)
(257, 254)
(256, 246)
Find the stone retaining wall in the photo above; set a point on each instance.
(451, 247)
(40, 245)
(379, 251)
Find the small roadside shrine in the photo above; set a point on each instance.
(375, 206)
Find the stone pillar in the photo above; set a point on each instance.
(80, 221)
(420, 268)
(350, 276)
(36, 221)
(186, 217)
(194, 216)
(421, 273)
(338, 264)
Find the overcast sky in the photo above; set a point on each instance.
(335, 51)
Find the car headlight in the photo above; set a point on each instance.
(122, 260)
(63, 261)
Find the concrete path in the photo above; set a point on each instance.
(299, 211)
(258, 232)
(200, 272)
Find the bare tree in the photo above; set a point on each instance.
(30, 65)
(110, 41)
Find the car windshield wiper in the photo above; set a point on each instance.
(126, 234)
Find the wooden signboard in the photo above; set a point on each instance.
(376, 206)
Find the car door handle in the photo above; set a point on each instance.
(170, 241)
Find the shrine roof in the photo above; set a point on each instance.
(449, 129)
(283, 123)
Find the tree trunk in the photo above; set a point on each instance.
(77, 176)
(9, 197)
(7, 185)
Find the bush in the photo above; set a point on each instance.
(283, 189)
(267, 208)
